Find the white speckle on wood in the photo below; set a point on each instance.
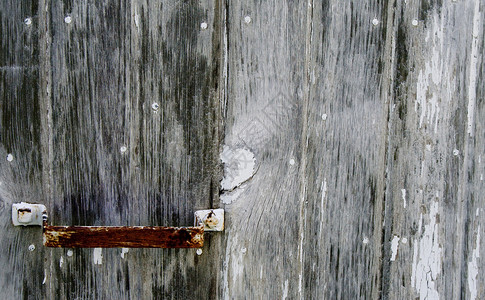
(61, 262)
(394, 247)
(403, 192)
(124, 251)
(427, 257)
(473, 68)
(244, 250)
(292, 161)
(238, 167)
(98, 256)
(428, 147)
(69, 253)
(9, 157)
(473, 268)
(285, 290)
(477, 212)
(324, 117)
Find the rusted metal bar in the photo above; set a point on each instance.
(123, 236)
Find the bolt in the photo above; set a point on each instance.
(68, 19)
(155, 106)
(28, 21)
(247, 19)
(203, 25)
(9, 157)
(199, 251)
(31, 247)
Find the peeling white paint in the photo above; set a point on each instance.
(473, 268)
(98, 256)
(285, 290)
(239, 166)
(427, 257)
(124, 251)
(427, 103)
(394, 247)
(229, 197)
(403, 192)
(473, 69)
(61, 262)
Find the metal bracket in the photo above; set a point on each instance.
(27, 214)
(119, 236)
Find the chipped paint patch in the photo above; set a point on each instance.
(124, 251)
(285, 290)
(427, 257)
(403, 192)
(394, 247)
(473, 267)
(239, 166)
(98, 256)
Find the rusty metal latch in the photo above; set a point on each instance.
(28, 214)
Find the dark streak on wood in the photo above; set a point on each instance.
(123, 236)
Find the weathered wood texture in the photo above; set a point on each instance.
(364, 119)
(111, 111)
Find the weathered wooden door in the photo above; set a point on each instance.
(344, 139)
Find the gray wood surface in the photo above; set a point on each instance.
(351, 134)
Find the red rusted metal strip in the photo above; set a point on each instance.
(123, 236)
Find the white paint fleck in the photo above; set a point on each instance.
(123, 149)
(477, 212)
(473, 267)
(428, 147)
(238, 167)
(9, 157)
(404, 240)
(247, 19)
(427, 257)
(244, 250)
(481, 177)
(229, 197)
(68, 19)
(394, 247)
(155, 106)
(473, 68)
(98, 256)
(415, 22)
(285, 290)
(137, 19)
(69, 253)
(403, 192)
(61, 262)
(375, 22)
(365, 240)
(456, 152)
(324, 117)
(124, 251)
(203, 25)
(28, 21)
(45, 277)
(292, 161)
(32, 247)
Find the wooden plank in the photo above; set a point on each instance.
(262, 153)
(435, 143)
(123, 129)
(346, 137)
(123, 237)
(20, 147)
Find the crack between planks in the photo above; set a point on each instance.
(304, 150)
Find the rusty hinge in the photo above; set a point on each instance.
(27, 214)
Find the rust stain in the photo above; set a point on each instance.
(123, 237)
